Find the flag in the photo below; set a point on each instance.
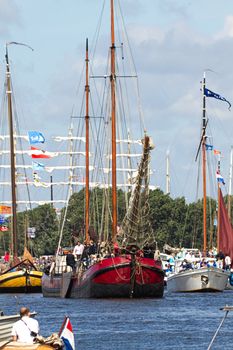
(38, 153)
(209, 93)
(3, 228)
(37, 181)
(35, 137)
(208, 147)
(38, 166)
(220, 178)
(4, 209)
(67, 335)
(3, 220)
(216, 152)
(41, 167)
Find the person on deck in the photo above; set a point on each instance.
(70, 261)
(227, 263)
(26, 329)
(78, 250)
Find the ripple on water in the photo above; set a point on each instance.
(178, 321)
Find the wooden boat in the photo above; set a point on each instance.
(6, 324)
(22, 276)
(129, 272)
(22, 346)
(21, 281)
(203, 279)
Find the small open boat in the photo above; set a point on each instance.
(6, 323)
(21, 346)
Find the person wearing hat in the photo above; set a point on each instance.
(26, 329)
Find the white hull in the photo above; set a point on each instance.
(201, 280)
(6, 323)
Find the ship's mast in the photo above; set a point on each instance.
(167, 173)
(204, 162)
(219, 218)
(87, 90)
(113, 117)
(12, 158)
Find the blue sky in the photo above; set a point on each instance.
(173, 41)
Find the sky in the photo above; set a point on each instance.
(173, 43)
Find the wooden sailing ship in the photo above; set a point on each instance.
(206, 279)
(22, 276)
(127, 272)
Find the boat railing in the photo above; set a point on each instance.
(60, 266)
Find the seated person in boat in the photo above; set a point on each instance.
(186, 265)
(26, 329)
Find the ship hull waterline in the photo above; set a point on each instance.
(200, 280)
(110, 278)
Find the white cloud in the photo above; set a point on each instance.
(228, 28)
(9, 16)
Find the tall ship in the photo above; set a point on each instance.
(206, 278)
(125, 264)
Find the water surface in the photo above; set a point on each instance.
(178, 321)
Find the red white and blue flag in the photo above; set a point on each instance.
(219, 177)
(67, 335)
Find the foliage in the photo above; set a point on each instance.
(174, 221)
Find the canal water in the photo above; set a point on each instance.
(178, 321)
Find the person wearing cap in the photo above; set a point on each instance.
(26, 329)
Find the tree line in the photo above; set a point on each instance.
(175, 222)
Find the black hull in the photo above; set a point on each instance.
(92, 290)
(21, 290)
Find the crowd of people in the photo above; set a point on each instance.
(187, 259)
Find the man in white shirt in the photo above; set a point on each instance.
(78, 250)
(26, 329)
(227, 262)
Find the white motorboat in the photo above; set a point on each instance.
(207, 279)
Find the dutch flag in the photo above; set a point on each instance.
(67, 335)
(219, 178)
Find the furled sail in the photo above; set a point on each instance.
(136, 228)
(225, 230)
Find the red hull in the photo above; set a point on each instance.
(110, 278)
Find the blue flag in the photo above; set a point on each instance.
(209, 93)
(38, 166)
(35, 137)
(209, 147)
(3, 220)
